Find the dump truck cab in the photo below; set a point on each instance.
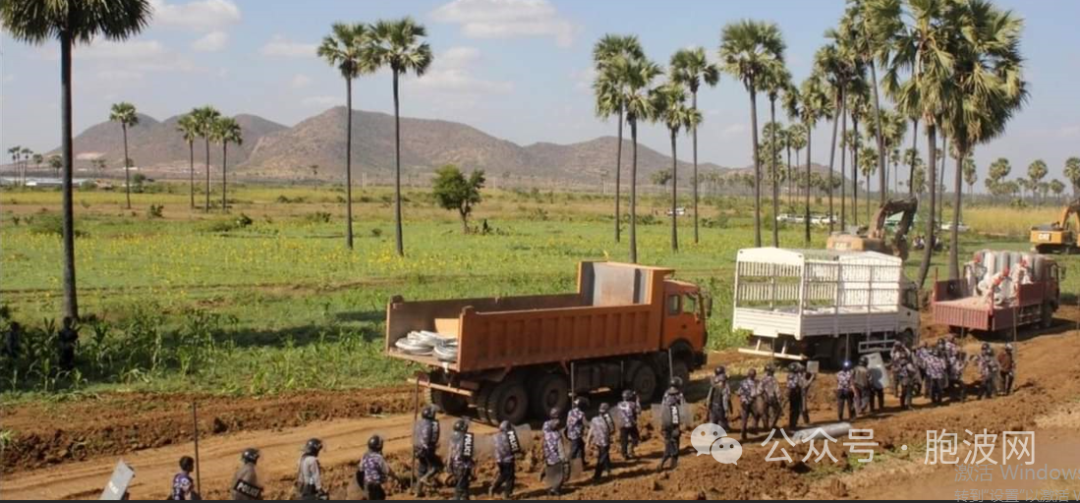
(686, 308)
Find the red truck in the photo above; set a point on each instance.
(511, 358)
(965, 304)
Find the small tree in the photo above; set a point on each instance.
(453, 191)
(56, 162)
(661, 177)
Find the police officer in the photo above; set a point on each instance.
(506, 459)
(904, 371)
(770, 391)
(955, 379)
(1007, 367)
(600, 431)
(988, 371)
(720, 399)
(374, 470)
(936, 369)
(426, 441)
(553, 457)
(795, 396)
(245, 484)
(861, 376)
(629, 410)
(183, 488)
(461, 460)
(845, 392)
(671, 425)
(309, 472)
(748, 393)
(575, 430)
(898, 354)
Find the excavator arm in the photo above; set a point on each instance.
(1071, 209)
(907, 207)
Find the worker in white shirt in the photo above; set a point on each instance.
(991, 286)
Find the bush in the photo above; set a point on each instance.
(319, 217)
(376, 233)
(156, 211)
(50, 224)
(244, 221)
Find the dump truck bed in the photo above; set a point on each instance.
(613, 314)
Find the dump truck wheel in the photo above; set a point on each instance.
(550, 391)
(681, 370)
(483, 401)
(644, 383)
(449, 403)
(1047, 319)
(509, 402)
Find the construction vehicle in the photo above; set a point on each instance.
(823, 305)
(965, 305)
(875, 236)
(512, 358)
(1060, 236)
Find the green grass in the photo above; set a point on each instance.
(290, 308)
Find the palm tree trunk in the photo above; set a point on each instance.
(757, 168)
(790, 178)
(191, 171)
(915, 148)
(127, 167)
(207, 207)
(880, 138)
(633, 191)
(618, 180)
(867, 199)
(397, 172)
(695, 180)
(940, 187)
(931, 226)
(806, 213)
(832, 158)
(843, 170)
(855, 171)
(674, 195)
(775, 179)
(224, 176)
(71, 304)
(348, 164)
(954, 250)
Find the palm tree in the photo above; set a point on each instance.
(867, 166)
(921, 51)
(15, 152)
(343, 49)
(858, 108)
(56, 163)
(205, 118)
(35, 22)
(1072, 172)
(797, 135)
(124, 113)
(971, 175)
(775, 80)
(748, 49)
(832, 66)
(878, 24)
(225, 131)
(637, 74)
(690, 67)
(813, 104)
(397, 45)
(188, 126)
(1037, 170)
(609, 88)
(669, 103)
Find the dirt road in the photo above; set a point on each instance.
(1047, 399)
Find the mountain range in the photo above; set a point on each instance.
(272, 151)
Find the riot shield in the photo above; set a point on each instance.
(521, 439)
(681, 415)
(118, 484)
(878, 373)
(446, 431)
(246, 485)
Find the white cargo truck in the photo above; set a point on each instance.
(823, 305)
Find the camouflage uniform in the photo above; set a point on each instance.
(936, 371)
(1007, 367)
(770, 390)
(748, 392)
(861, 378)
(670, 430)
(553, 452)
(904, 370)
(988, 370)
(600, 430)
(898, 354)
(507, 462)
(183, 488)
(845, 394)
(427, 441)
(310, 478)
(796, 392)
(720, 402)
(461, 464)
(375, 470)
(575, 432)
(628, 426)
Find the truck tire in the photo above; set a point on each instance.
(644, 383)
(450, 403)
(549, 391)
(483, 401)
(1047, 318)
(681, 369)
(509, 402)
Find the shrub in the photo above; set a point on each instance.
(156, 211)
(319, 217)
(376, 232)
(50, 224)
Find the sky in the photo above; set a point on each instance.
(516, 69)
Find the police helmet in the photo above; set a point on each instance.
(720, 370)
(187, 464)
(554, 413)
(676, 382)
(604, 408)
(250, 456)
(313, 447)
(1009, 347)
(505, 426)
(428, 412)
(461, 425)
(627, 395)
(769, 369)
(986, 347)
(752, 373)
(581, 402)
(375, 443)
(864, 361)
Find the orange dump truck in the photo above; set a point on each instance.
(510, 358)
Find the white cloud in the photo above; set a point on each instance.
(200, 15)
(300, 81)
(458, 57)
(211, 42)
(321, 101)
(281, 47)
(734, 130)
(452, 72)
(507, 19)
(101, 49)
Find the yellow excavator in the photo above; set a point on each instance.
(874, 237)
(1058, 237)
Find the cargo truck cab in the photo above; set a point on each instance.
(685, 312)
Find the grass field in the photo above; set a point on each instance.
(194, 301)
